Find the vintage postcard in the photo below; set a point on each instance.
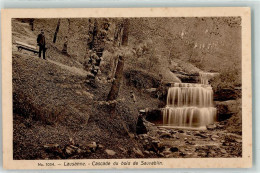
(112, 88)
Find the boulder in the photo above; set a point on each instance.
(225, 109)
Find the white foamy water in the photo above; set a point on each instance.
(190, 105)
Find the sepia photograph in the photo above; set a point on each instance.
(126, 88)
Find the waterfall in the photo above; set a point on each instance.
(190, 105)
(204, 77)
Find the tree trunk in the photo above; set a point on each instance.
(94, 35)
(65, 45)
(56, 32)
(120, 66)
(31, 23)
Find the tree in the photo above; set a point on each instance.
(56, 32)
(65, 45)
(31, 23)
(93, 30)
(120, 66)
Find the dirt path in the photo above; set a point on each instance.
(74, 70)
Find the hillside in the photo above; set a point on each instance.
(61, 112)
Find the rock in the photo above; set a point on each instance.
(142, 111)
(165, 135)
(180, 131)
(211, 126)
(138, 152)
(72, 142)
(214, 137)
(100, 146)
(140, 127)
(146, 141)
(167, 151)
(238, 140)
(173, 132)
(220, 126)
(200, 135)
(73, 147)
(157, 146)
(89, 95)
(225, 109)
(133, 97)
(150, 90)
(161, 154)
(147, 152)
(188, 78)
(54, 148)
(153, 115)
(92, 146)
(78, 92)
(174, 149)
(22, 125)
(223, 151)
(169, 155)
(79, 151)
(190, 142)
(110, 152)
(123, 150)
(188, 132)
(151, 152)
(48, 146)
(168, 76)
(131, 135)
(226, 94)
(69, 150)
(226, 144)
(182, 154)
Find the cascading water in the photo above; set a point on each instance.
(190, 105)
(204, 77)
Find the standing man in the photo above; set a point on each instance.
(41, 44)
